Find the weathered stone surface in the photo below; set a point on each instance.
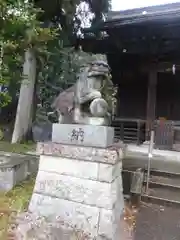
(110, 222)
(106, 223)
(33, 164)
(82, 186)
(94, 193)
(34, 227)
(6, 179)
(108, 173)
(99, 107)
(14, 169)
(20, 172)
(69, 167)
(83, 135)
(96, 222)
(137, 182)
(101, 172)
(74, 214)
(102, 155)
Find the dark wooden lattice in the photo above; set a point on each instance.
(164, 135)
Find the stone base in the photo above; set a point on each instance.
(32, 226)
(83, 135)
(16, 169)
(84, 194)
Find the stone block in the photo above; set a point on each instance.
(137, 182)
(106, 224)
(108, 173)
(83, 135)
(12, 172)
(102, 172)
(16, 168)
(33, 164)
(81, 186)
(93, 193)
(69, 167)
(74, 214)
(93, 154)
(97, 222)
(6, 179)
(20, 172)
(117, 192)
(109, 224)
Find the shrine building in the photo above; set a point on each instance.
(143, 50)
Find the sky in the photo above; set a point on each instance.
(118, 5)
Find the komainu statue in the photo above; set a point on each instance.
(90, 99)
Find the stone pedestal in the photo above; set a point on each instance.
(81, 186)
(83, 135)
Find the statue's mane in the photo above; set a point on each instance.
(64, 100)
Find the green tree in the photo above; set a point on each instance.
(19, 30)
(58, 71)
(34, 28)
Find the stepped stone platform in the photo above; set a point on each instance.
(16, 168)
(81, 185)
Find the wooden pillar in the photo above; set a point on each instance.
(151, 101)
(118, 102)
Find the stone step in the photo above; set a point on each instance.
(161, 194)
(167, 162)
(164, 188)
(157, 172)
(164, 179)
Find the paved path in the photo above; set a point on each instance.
(157, 223)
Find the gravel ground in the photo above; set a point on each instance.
(156, 222)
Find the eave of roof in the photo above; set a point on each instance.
(160, 14)
(152, 10)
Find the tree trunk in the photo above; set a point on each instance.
(23, 120)
(29, 135)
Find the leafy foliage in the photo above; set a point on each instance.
(99, 8)
(20, 29)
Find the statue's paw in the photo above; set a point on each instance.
(99, 107)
